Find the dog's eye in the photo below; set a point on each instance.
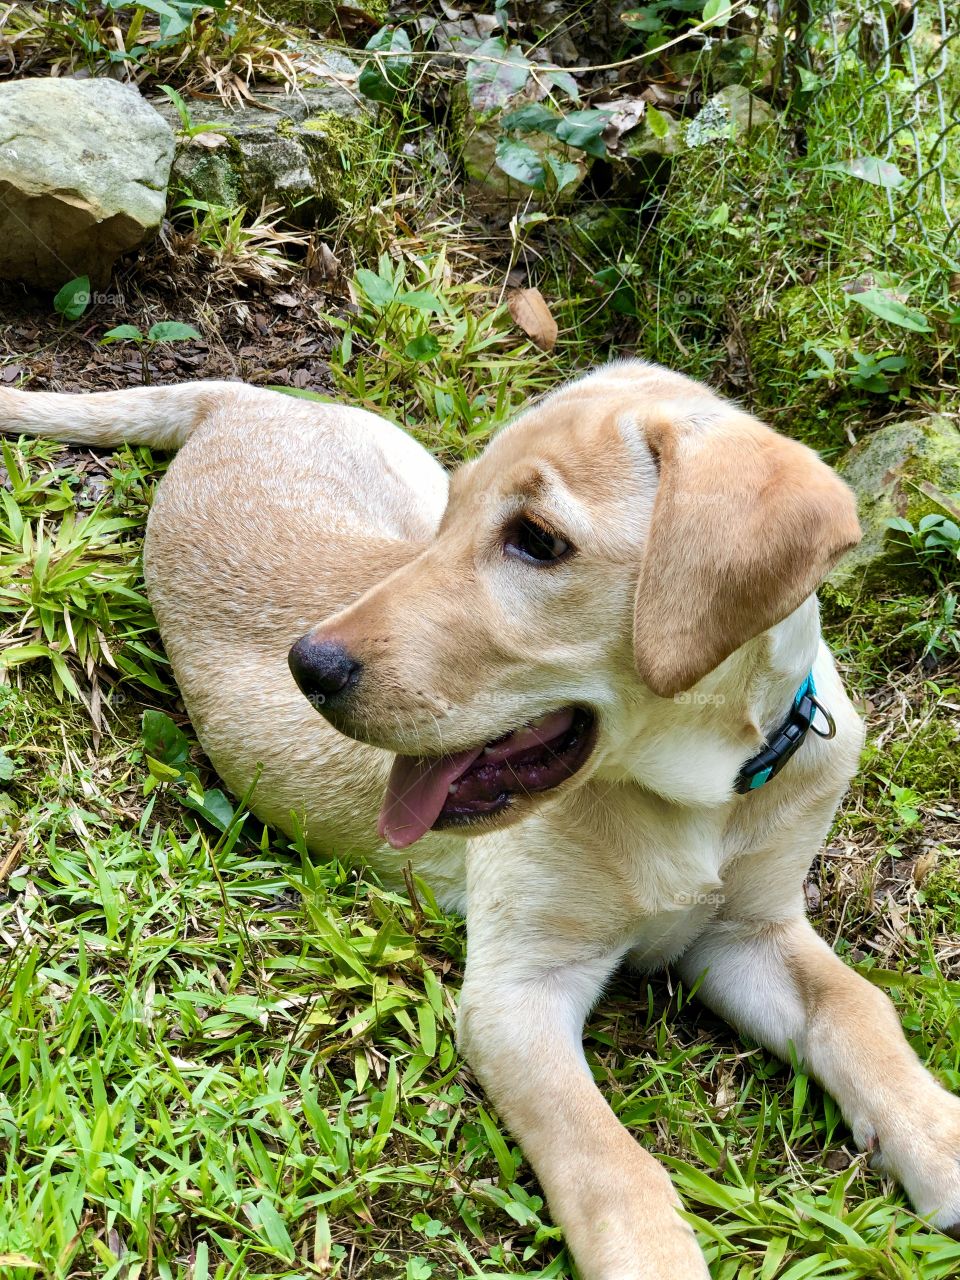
(531, 541)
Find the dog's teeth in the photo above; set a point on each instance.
(488, 751)
(453, 788)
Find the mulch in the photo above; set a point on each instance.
(267, 333)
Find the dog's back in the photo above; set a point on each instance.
(276, 511)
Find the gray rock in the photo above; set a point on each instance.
(732, 113)
(892, 472)
(83, 175)
(491, 190)
(305, 151)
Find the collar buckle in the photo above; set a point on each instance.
(786, 740)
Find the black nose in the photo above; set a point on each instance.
(323, 670)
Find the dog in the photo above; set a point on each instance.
(582, 684)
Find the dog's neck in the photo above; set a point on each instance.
(689, 748)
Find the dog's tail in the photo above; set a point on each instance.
(163, 417)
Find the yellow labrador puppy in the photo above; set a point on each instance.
(586, 693)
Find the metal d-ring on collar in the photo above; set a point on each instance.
(785, 740)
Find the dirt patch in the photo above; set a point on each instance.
(268, 333)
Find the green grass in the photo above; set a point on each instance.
(745, 264)
(219, 1057)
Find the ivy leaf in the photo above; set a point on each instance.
(532, 118)
(564, 81)
(164, 741)
(423, 348)
(7, 768)
(892, 310)
(495, 73)
(717, 12)
(582, 129)
(172, 331)
(73, 299)
(564, 172)
(642, 20)
(382, 80)
(879, 173)
(519, 161)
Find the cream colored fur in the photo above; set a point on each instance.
(686, 622)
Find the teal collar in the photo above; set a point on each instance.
(785, 740)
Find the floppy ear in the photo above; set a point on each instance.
(746, 524)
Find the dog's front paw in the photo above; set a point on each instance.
(920, 1147)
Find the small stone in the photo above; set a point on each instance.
(836, 1160)
(83, 177)
(886, 471)
(732, 113)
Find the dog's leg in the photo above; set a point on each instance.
(781, 983)
(525, 997)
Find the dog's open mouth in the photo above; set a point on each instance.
(454, 790)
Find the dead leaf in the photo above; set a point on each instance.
(944, 500)
(322, 263)
(897, 920)
(923, 866)
(530, 311)
(627, 116)
(209, 139)
(725, 1096)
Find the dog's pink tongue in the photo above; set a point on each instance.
(416, 792)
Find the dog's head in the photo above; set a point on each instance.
(629, 533)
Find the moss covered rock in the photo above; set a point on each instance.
(476, 135)
(733, 113)
(309, 152)
(888, 472)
